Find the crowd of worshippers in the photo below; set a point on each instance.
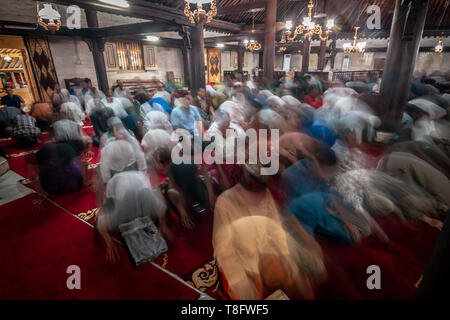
(265, 227)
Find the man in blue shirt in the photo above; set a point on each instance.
(187, 117)
(12, 100)
(159, 102)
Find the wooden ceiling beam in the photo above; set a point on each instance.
(147, 10)
(240, 8)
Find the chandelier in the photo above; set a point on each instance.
(439, 48)
(199, 14)
(252, 45)
(282, 49)
(308, 28)
(358, 47)
(49, 18)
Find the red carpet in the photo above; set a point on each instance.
(190, 256)
(402, 262)
(37, 248)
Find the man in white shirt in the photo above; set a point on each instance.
(120, 91)
(114, 103)
(90, 91)
(162, 93)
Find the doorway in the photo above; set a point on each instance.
(15, 70)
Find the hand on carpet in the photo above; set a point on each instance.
(112, 253)
(187, 222)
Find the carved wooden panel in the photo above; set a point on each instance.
(110, 53)
(214, 67)
(150, 58)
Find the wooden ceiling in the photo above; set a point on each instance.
(16, 60)
(347, 13)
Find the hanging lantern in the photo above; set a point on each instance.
(308, 28)
(199, 14)
(252, 45)
(49, 18)
(359, 47)
(439, 48)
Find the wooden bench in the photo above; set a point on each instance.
(135, 85)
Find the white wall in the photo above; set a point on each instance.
(167, 59)
(251, 61)
(68, 63)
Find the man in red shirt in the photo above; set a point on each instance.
(314, 98)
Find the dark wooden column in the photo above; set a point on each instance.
(186, 49)
(305, 55)
(323, 44)
(322, 52)
(261, 60)
(97, 46)
(240, 53)
(269, 40)
(333, 53)
(404, 41)
(198, 58)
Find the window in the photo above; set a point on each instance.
(129, 55)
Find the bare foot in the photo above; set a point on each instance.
(433, 222)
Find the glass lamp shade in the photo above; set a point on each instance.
(330, 23)
(48, 13)
(361, 45)
(306, 21)
(288, 25)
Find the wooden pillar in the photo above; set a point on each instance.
(186, 50)
(322, 52)
(261, 60)
(97, 46)
(240, 53)
(305, 55)
(198, 58)
(333, 53)
(187, 62)
(404, 41)
(269, 40)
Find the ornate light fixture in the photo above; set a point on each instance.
(49, 18)
(439, 48)
(199, 14)
(282, 49)
(308, 28)
(252, 45)
(152, 38)
(358, 47)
